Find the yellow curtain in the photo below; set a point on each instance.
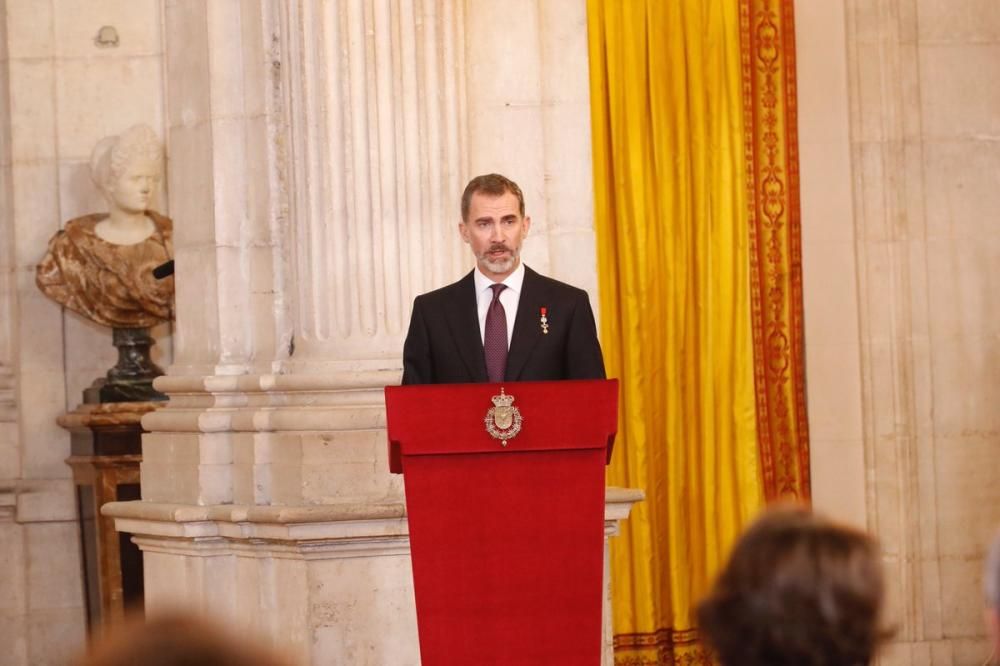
(697, 219)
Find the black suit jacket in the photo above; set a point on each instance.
(444, 345)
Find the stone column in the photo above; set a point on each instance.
(317, 154)
(304, 184)
(529, 117)
(923, 90)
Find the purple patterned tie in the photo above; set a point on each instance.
(495, 336)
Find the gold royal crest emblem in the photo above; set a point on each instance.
(503, 421)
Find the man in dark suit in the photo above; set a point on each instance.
(503, 321)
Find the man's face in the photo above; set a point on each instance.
(494, 230)
(133, 191)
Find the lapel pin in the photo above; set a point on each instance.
(544, 320)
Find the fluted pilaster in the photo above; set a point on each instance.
(346, 121)
(376, 146)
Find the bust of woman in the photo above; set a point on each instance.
(100, 265)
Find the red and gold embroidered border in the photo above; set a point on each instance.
(666, 647)
(769, 101)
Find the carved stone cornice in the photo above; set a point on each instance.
(359, 523)
(269, 403)
(106, 414)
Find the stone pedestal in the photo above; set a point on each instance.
(105, 446)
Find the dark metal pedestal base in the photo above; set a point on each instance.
(131, 380)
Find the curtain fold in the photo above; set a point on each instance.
(682, 326)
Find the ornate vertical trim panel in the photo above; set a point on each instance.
(375, 138)
(769, 100)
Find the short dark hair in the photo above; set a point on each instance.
(494, 185)
(799, 590)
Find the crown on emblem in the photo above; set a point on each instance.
(503, 400)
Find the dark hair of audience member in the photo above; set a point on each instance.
(799, 590)
(177, 640)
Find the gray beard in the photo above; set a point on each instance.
(501, 266)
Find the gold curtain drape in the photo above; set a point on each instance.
(711, 411)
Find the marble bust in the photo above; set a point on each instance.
(100, 265)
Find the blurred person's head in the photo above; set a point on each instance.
(176, 640)
(991, 586)
(799, 590)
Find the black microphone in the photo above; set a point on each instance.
(164, 270)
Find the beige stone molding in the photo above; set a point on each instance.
(618, 503)
(106, 414)
(350, 375)
(342, 520)
(272, 403)
(288, 549)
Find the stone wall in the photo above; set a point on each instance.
(59, 94)
(900, 113)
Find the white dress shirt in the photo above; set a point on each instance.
(509, 298)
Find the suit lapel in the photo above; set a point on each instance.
(527, 329)
(463, 321)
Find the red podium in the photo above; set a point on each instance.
(506, 537)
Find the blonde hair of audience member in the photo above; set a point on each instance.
(177, 640)
(799, 590)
